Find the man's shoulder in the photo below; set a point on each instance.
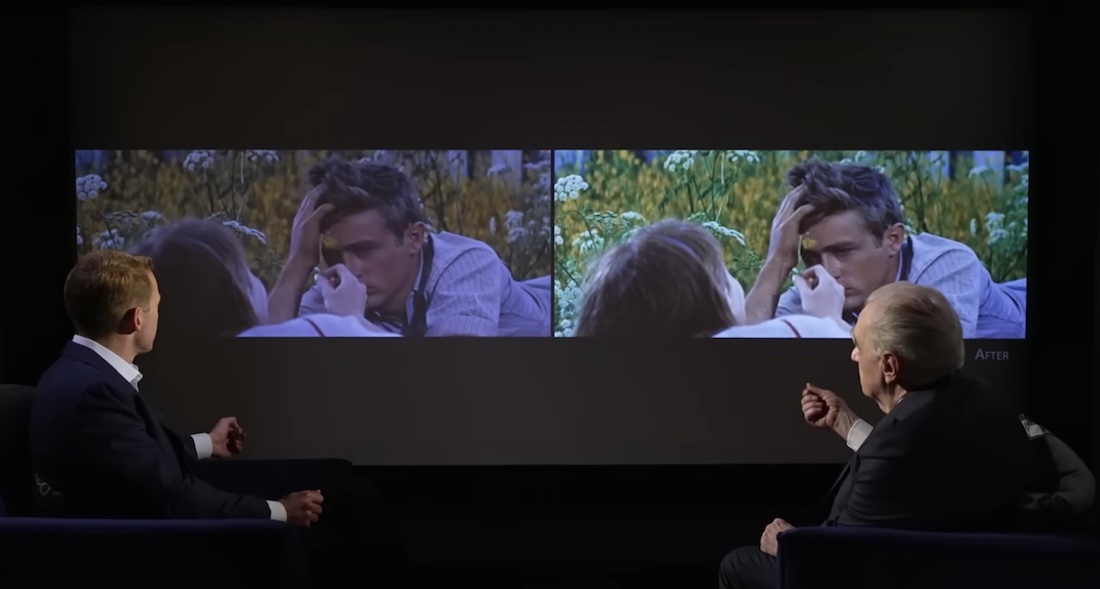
(69, 381)
(930, 409)
(451, 245)
(928, 247)
(960, 408)
(451, 248)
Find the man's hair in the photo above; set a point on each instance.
(103, 286)
(918, 325)
(355, 187)
(833, 189)
(668, 281)
(203, 273)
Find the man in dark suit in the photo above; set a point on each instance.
(1060, 499)
(100, 446)
(950, 453)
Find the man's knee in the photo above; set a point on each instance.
(732, 566)
(739, 568)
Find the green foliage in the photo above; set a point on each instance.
(735, 194)
(257, 193)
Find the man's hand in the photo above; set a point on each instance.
(344, 295)
(227, 437)
(305, 233)
(303, 508)
(305, 253)
(785, 237)
(783, 249)
(824, 408)
(822, 296)
(769, 540)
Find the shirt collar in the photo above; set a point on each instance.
(394, 323)
(128, 371)
(416, 286)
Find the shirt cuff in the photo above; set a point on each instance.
(858, 434)
(204, 446)
(278, 512)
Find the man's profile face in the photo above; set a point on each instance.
(859, 261)
(867, 360)
(374, 255)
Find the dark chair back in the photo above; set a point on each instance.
(16, 473)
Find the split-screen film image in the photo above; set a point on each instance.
(559, 243)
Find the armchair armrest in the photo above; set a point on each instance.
(273, 479)
(855, 558)
(150, 553)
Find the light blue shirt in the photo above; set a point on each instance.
(987, 310)
(470, 292)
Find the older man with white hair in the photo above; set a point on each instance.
(949, 454)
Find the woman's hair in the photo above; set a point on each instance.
(204, 279)
(668, 280)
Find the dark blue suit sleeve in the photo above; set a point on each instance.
(110, 438)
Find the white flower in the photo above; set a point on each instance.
(268, 155)
(978, 171)
(558, 240)
(994, 226)
(589, 242)
(680, 160)
(857, 158)
(569, 188)
(743, 155)
(242, 229)
(79, 237)
(568, 298)
(513, 221)
(152, 216)
(722, 231)
(973, 226)
(632, 217)
(110, 240)
(200, 159)
(88, 187)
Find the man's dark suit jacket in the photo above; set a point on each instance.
(96, 441)
(951, 456)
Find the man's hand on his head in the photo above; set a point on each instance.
(785, 235)
(227, 437)
(305, 231)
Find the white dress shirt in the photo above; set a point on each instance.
(858, 434)
(204, 446)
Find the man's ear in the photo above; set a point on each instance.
(131, 321)
(415, 236)
(890, 366)
(894, 238)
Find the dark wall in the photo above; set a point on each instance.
(887, 80)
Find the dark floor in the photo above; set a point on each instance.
(583, 577)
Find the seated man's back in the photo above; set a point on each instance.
(949, 456)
